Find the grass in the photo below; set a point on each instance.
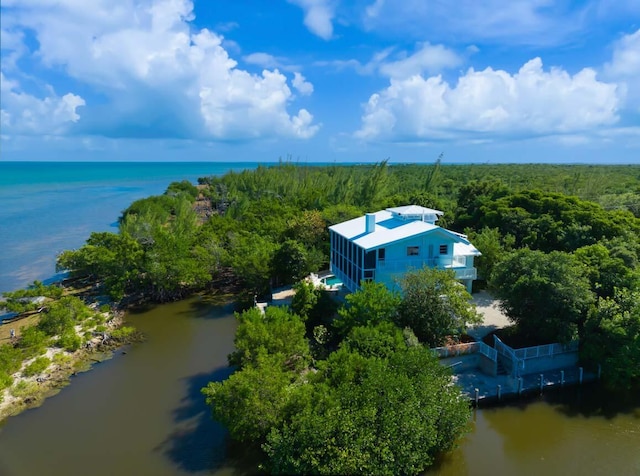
(36, 367)
(26, 322)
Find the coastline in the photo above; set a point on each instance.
(30, 391)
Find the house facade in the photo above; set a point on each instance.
(384, 245)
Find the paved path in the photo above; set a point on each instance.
(494, 319)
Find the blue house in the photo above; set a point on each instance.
(382, 246)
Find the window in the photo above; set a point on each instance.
(444, 249)
(381, 254)
(413, 250)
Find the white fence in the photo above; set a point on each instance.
(545, 350)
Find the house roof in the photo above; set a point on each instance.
(390, 228)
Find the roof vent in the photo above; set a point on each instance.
(370, 223)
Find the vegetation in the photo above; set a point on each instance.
(354, 389)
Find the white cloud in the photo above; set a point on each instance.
(531, 22)
(22, 113)
(318, 16)
(303, 86)
(491, 102)
(428, 58)
(262, 59)
(160, 74)
(624, 67)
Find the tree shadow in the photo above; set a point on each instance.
(596, 400)
(200, 444)
(210, 307)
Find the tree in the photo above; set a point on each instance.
(290, 262)
(256, 399)
(547, 295)
(277, 332)
(612, 338)
(305, 298)
(379, 340)
(434, 305)
(372, 416)
(372, 304)
(492, 246)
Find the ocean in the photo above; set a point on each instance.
(49, 207)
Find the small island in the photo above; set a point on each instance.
(346, 382)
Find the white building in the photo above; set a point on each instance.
(382, 246)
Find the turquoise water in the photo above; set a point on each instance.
(332, 280)
(46, 207)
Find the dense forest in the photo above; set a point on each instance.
(329, 388)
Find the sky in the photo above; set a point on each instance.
(320, 80)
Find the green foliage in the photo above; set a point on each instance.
(182, 189)
(612, 338)
(605, 271)
(69, 341)
(123, 333)
(547, 295)
(36, 367)
(492, 246)
(372, 304)
(385, 416)
(253, 401)
(434, 305)
(6, 381)
(63, 315)
(33, 341)
(251, 260)
(290, 262)
(24, 389)
(25, 300)
(277, 332)
(378, 340)
(305, 298)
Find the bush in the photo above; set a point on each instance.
(36, 367)
(123, 333)
(5, 380)
(61, 358)
(24, 389)
(69, 341)
(105, 308)
(33, 341)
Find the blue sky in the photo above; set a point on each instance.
(321, 80)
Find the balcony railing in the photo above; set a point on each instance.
(456, 263)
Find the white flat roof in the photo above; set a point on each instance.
(415, 210)
(390, 229)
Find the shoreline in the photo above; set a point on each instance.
(30, 391)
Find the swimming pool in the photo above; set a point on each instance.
(330, 281)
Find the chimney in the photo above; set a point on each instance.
(370, 223)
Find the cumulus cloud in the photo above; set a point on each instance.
(22, 113)
(301, 84)
(162, 76)
(318, 16)
(491, 102)
(624, 66)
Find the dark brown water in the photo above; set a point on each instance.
(142, 414)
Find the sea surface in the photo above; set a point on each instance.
(49, 207)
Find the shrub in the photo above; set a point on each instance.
(5, 380)
(33, 341)
(36, 367)
(24, 389)
(61, 358)
(69, 341)
(105, 308)
(123, 333)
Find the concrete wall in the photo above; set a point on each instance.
(461, 363)
(543, 364)
(486, 365)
